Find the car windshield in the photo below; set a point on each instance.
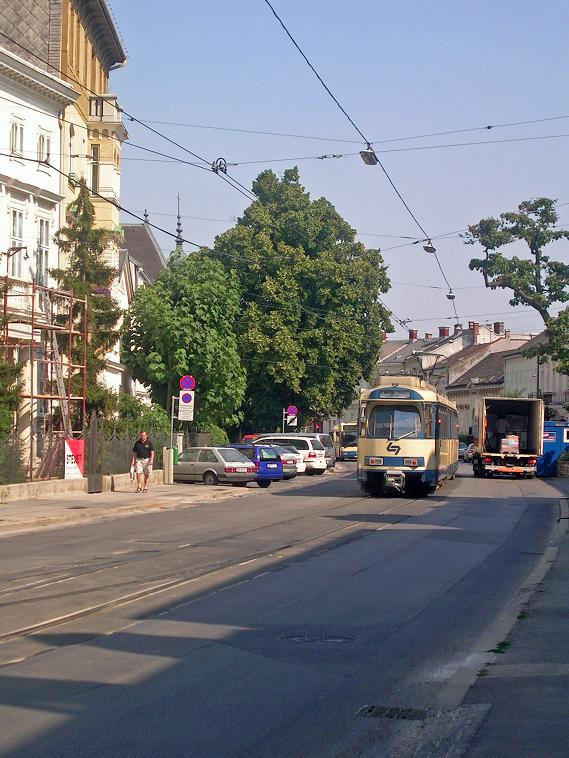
(394, 421)
(290, 449)
(349, 438)
(232, 456)
(268, 455)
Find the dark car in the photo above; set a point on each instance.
(268, 464)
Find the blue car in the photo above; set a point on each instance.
(268, 464)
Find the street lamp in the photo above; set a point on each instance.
(368, 156)
(429, 247)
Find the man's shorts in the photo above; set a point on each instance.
(143, 466)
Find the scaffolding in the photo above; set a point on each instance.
(45, 330)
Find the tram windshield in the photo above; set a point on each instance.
(394, 421)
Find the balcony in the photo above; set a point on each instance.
(106, 114)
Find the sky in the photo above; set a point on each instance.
(400, 69)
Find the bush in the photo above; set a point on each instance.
(564, 456)
(134, 416)
(218, 435)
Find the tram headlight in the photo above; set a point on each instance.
(371, 460)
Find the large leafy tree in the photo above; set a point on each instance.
(89, 276)
(311, 321)
(535, 280)
(185, 323)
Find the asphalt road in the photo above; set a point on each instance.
(259, 626)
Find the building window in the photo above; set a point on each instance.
(17, 138)
(42, 255)
(16, 240)
(95, 152)
(44, 148)
(96, 107)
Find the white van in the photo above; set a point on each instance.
(312, 450)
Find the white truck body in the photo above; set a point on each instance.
(498, 417)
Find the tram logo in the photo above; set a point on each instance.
(393, 448)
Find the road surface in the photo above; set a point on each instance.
(282, 623)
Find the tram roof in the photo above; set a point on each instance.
(418, 388)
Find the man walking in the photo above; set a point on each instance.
(142, 461)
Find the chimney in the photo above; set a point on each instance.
(457, 328)
(428, 336)
(475, 327)
(413, 334)
(499, 327)
(444, 331)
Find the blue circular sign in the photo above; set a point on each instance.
(292, 410)
(187, 382)
(186, 397)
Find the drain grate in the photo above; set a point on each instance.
(77, 507)
(386, 712)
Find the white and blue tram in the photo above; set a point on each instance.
(408, 437)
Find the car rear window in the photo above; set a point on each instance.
(268, 455)
(317, 445)
(326, 441)
(299, 444)
(231, 455)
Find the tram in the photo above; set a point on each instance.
(407, 437)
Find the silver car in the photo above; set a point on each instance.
(214, 465)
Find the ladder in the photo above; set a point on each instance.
(61, 388)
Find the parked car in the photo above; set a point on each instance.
(296, 455)
(462, 448)
(214, 465)
(329, 448)
(268, 464)
(290, 461)
(311, 449)
(469, 454)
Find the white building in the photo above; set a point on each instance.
(31, 192)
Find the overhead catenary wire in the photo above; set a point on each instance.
(366, 141)
(231, 181)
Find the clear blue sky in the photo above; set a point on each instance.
(400, 69)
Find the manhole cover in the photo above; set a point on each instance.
(386, 712)
(307, 640)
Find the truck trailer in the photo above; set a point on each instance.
(508, 436)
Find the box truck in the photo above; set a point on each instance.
(508, 436)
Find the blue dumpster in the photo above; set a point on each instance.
(555, 442)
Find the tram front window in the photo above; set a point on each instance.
(391, 422)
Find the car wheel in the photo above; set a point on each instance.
(264, 483)
(210, 479)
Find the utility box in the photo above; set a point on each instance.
(555, 442)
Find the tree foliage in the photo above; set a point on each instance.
(536, 281)
(184, 323)
(311, 322)
(134, 416)
(88, 275)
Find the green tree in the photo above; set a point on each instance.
(536, 281)
(134, 416)
(311, 321)
(88, 276)
(10, 462)
(184, 323)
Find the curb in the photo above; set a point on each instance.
(76, 519)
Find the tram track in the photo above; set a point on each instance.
(170, 581)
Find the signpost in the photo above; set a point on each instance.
(290, 417)
(186, 405)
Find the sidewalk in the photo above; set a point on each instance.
(80, 508)
(527, 684)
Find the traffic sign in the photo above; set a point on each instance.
(187, 382)
(186, 406)
(291, 420)
(292, 410)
